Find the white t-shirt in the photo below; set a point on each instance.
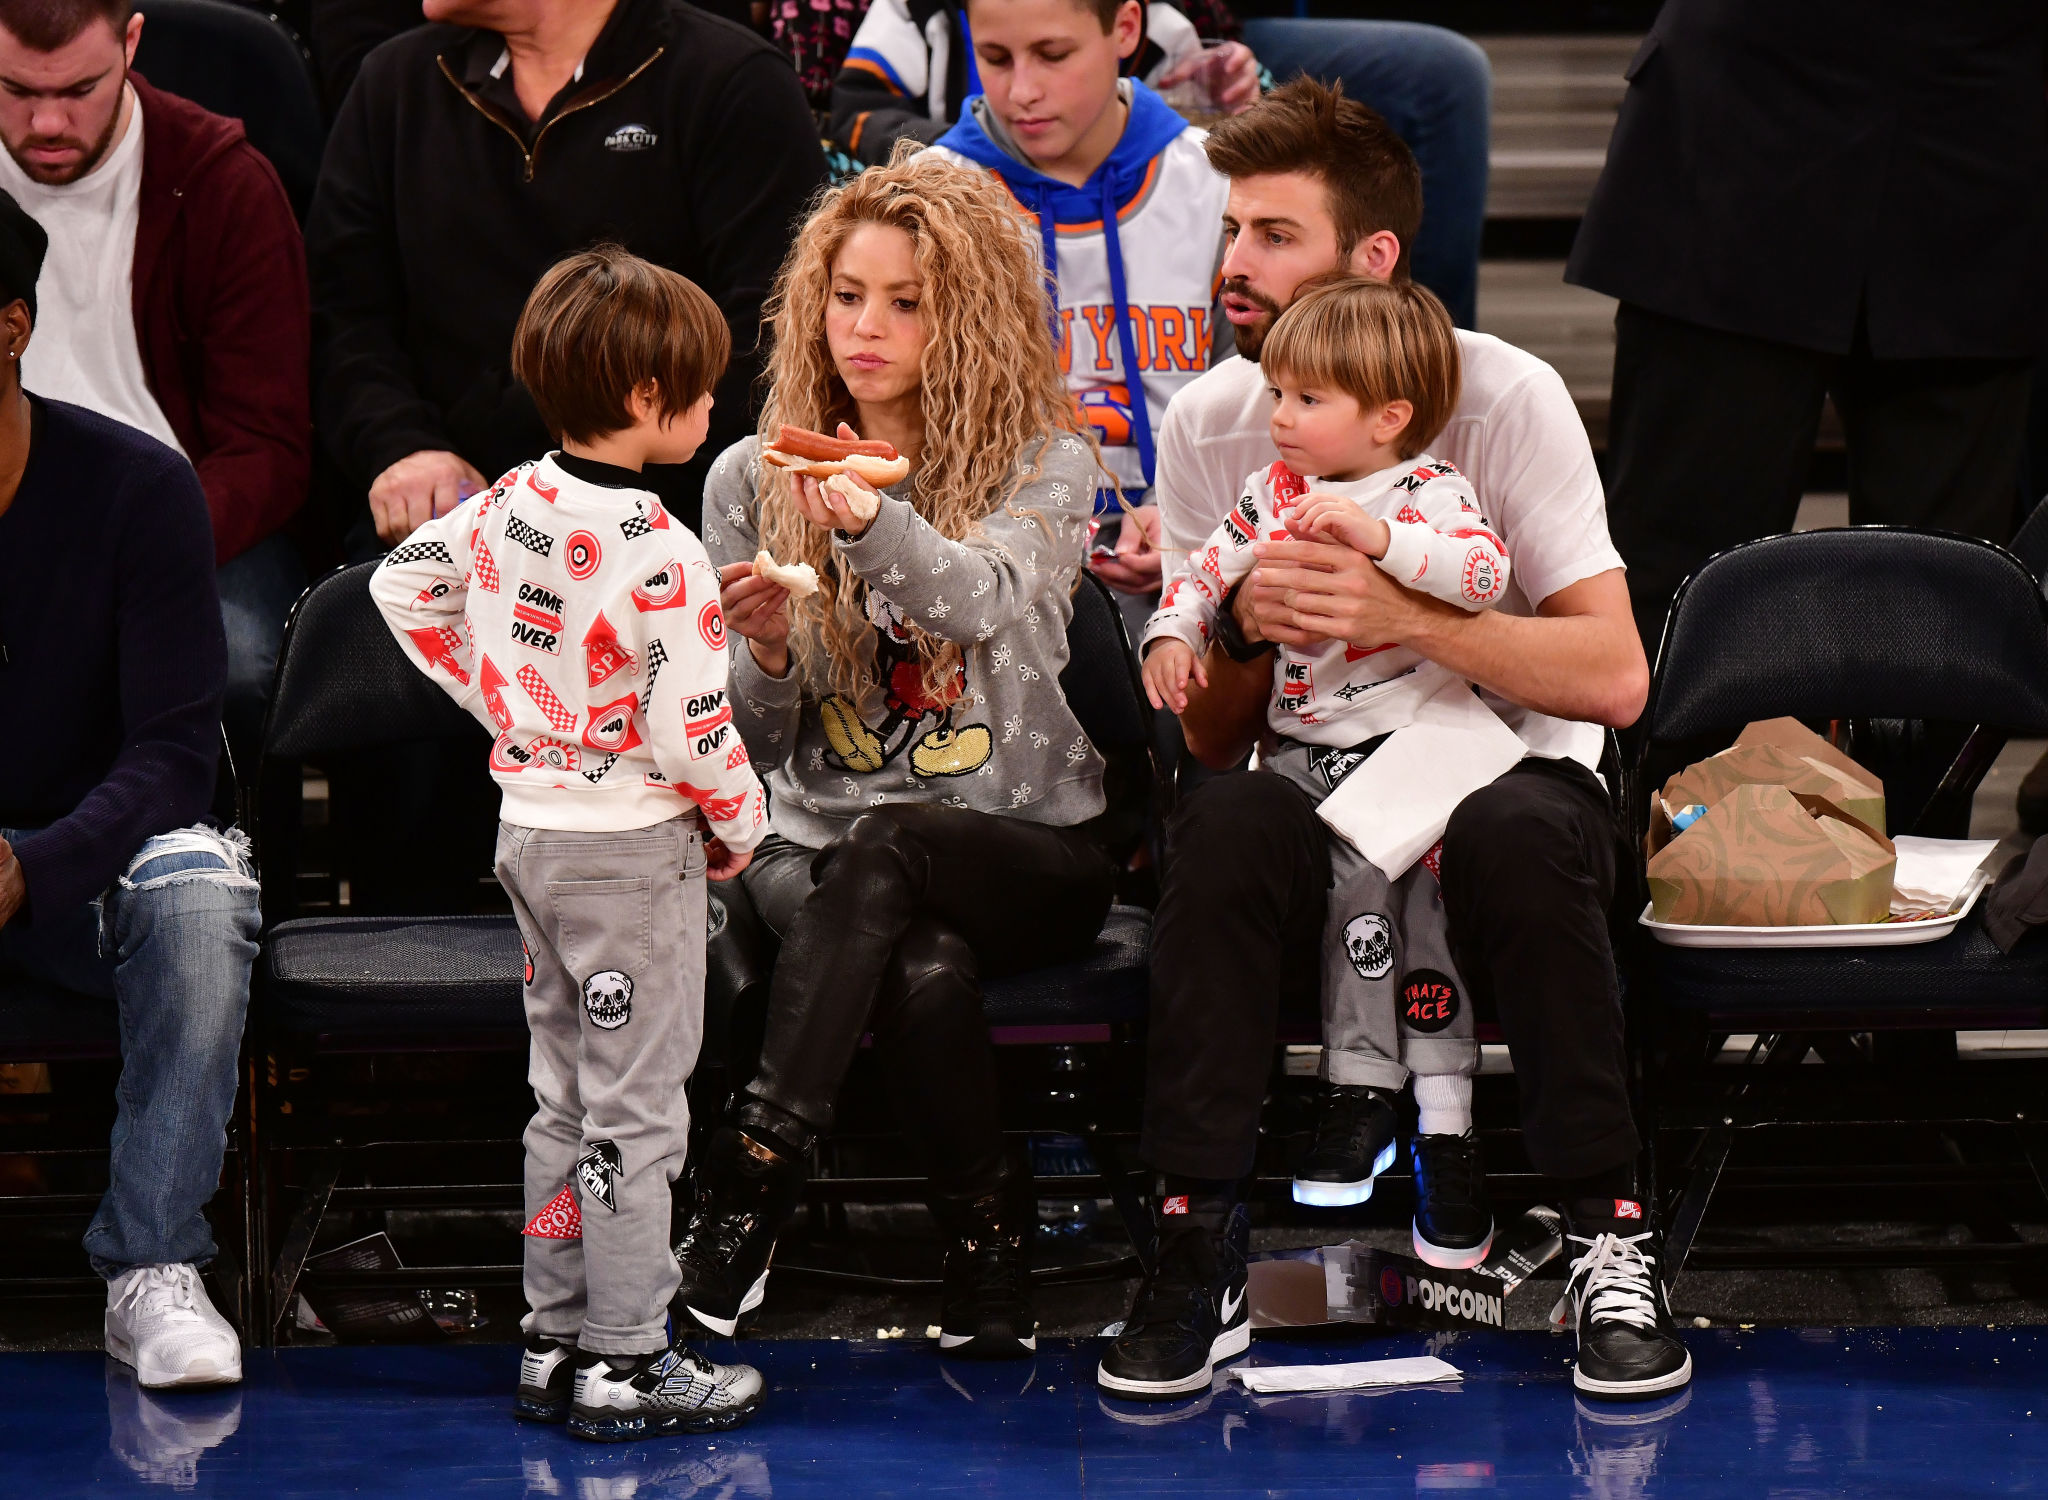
(84, 350)
(1516, 435)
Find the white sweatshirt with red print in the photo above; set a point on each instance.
(1343, 694)
(581, 624)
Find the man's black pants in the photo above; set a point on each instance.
(1710, 435)
(1528, 875)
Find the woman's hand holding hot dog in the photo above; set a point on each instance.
(824, 503)
(758, 610)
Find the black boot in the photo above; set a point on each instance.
(746, 1191)
(1190, 1314)
(985, 1308)
(1629, 1349)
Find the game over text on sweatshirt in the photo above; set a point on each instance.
(582, 624)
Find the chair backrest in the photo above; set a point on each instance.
(1870, 622)
(2030, 543)
(1101, 678)
(243, 64)
(343, 683)
(1910, 637)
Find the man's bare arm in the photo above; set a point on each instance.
(1578, 658)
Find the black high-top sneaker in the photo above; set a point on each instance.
(1629, 1349)
(1356, 1130)
(1453, 1220)
(745, 1193)
(547, 1370)
(1189, 1315)
(620, 1398)
(985, 1309)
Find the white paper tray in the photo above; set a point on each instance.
(1858, 935)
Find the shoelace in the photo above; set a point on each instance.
(713, 1238)
(163, 1291)
(1454, 1172)
(994, 1269)
(1615, 1276)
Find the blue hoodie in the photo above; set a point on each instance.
(1181, 210)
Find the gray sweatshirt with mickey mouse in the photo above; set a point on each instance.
(1007, 742)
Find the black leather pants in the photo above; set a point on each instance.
(890, 931)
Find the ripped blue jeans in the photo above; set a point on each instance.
(171, 942)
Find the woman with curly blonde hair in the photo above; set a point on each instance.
(929, 785)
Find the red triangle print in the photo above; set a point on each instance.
(560, 1220)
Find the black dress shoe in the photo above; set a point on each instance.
(1629, 1349)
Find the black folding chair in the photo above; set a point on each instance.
(241, 63)
(1925, 650)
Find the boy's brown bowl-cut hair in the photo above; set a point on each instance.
(1376, 341)
(601, 323)
(1365, 167)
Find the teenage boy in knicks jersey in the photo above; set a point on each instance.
(1319, 183)
(1127, 205)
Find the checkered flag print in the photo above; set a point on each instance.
(544, 697)
(596, 773)
(532, 539)
(418, 552)
(656, 655)
(486, 569)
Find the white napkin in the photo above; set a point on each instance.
(1421, 1370)
(1933, 874)
(1395, 805)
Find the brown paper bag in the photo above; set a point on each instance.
(1763, 857)
(1781, 752)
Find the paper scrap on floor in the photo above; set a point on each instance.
(1934, 874)
(1424, 1369)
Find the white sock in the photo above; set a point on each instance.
(1444, 1101)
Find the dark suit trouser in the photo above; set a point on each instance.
(1710, 434)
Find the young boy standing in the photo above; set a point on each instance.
(1130, 210)
(568, 612)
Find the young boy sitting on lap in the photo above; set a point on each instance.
(568, 612)
(1365, 375)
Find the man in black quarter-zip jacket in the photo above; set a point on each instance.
(471, 155)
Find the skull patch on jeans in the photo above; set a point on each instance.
(1369, 941)
(608, 999)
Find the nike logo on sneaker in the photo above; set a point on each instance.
(1232, 1301)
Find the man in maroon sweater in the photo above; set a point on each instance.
(173, 295)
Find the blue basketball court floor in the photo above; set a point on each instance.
(1781, 1412)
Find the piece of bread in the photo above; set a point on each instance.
(864, 504)
(801, 579)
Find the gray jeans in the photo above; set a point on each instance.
(614, 928)
(1393, 1003)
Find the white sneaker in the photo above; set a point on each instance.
(160, 1321)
